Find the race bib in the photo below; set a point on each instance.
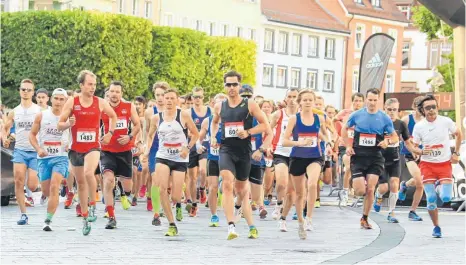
(173, 149)
(392, 145)
(268, 163)
(134, 150)
(366, 139)
(306, 136)
(52, 148)
(351, 133)
(86, 136)
(436, 150)
(214, 151)
(253, 143)
(122, 123)
(232, 129)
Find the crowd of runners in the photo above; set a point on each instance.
(238, 152)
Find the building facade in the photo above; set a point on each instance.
(364, 18)
(420, 56)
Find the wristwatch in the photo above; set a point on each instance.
(456, 153)
(130, 137)
(111, 132)
(262, 150)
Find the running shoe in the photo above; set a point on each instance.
(365, 224)
(125, 204)
(63, 190)
(92, 217)
(43, 200)
(378, 203)
(302, 231)
(203, 197)
(23, 220)
(111, 224)
(344, 198)
(47, 227)
(253, 233)
(69, 200)
(172, 231)
(214, 221)
(276, 212)
(142, 191)
(97, 198)
(391, 218)
(78, 210)
(266, 202)
(317, 203)
(179, 214)
(207, 204)
(134, 202)
(232, 232)
(193, 212)
(282, 225)
(308, 224)
(262, 212)
(238, 215)
(149, 205)
(188, 207)
(86, 227)
(106, 215)
(437, 233)
(156, 220)
(29, 202)
(402, 192)
(253, 206)
(295, 216)
(414, 217)
(219, 199)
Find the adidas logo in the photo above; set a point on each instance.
(374, 62)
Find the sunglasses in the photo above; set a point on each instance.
(430, 107)
(246, 96)
(231, 84)
(392, 109)
(26, 89)
(198, 97)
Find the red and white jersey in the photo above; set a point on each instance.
(436, 136)
(123, 112)
(85, 132)
(280, 129)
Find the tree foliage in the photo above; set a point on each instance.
(430, 24)
(51, 47)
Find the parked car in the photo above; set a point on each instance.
(8, 182)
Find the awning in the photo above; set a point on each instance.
(451, 11)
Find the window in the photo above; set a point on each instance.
(446, 50)
(121, 6)
(211, 29)
(268, 40)
(199, 25)
(329, 48)
(185, 22)
(224, 30)
(313, 46)
(295, 77)
(434, 50)
(239, 32)
(394, 34)
(296, 48)
(283, 42)
(147, 9)
(376, 29)
(252, 34)
(406, 51)
(375, 3)
(311, 81)
(355, 80)
(358, 2)
(267, 75)
(405, 10)
(360, 36)
(168, 20)
(328, 81)
(135, 7)
(390, 83)
(281, 76)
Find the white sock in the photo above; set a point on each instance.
(393, 197)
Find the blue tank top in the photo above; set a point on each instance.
(198, 122)
(213, 153)
(155, 142)
(411, 123)
(322, 143)
(304, 131)
(256, 143)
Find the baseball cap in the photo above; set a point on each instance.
(60, 91)
(42, 90)
(246, 90)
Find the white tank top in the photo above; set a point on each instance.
(281, 128)
(53, 141)
(172, 136)
(24, 118)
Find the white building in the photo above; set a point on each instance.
(303, 47)
(420, 56)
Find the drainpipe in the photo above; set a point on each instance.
(345, 65)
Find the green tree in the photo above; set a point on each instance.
(430, 24)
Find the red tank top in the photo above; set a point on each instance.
(123, 112)
(85, 132)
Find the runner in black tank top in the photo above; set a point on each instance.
(235, 150)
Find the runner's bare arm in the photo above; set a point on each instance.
(274, 118)
(63, 123)
(287, 142)
(136, 121)
(186, 117)
(323, 130)
(344, 136)
(263, 124)
(203, 131)
(215, 122)
(8, 123)
(148, 113)
(34, 131)
(458, 139)
(151, 134)
(268, 138)
(107, 109)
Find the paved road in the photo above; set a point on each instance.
(337, 238)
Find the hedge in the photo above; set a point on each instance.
(51, 47)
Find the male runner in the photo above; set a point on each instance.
(197, 162)
(392, 166)
(172, 126)
(85, 148)
(281, 155)
(42, 98)
(140, 104)
(411, 164)
(52, 152)
(236, 114)
(116, 157)
(158, 89)
(367, 162)
(357, 102)
(436, 157)
(24, 156)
